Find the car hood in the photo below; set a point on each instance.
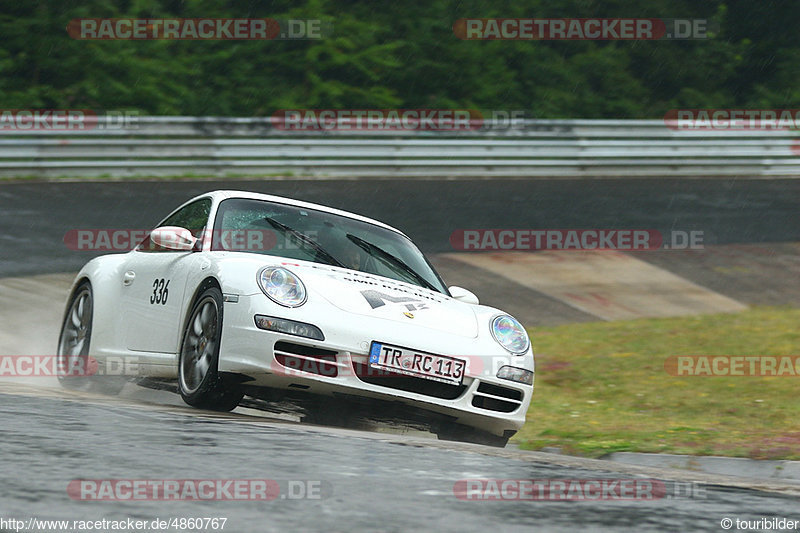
(377, 297)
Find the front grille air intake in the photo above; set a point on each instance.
(301, 358)
(497, 398)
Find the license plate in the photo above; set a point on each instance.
(418, 364)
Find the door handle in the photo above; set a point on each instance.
(128, 277)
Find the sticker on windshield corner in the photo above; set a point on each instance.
(375, 352)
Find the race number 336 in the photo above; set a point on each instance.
(160, 292)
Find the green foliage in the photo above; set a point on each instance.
(400, 55)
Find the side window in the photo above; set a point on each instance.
(193, 217)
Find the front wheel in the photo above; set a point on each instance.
(198, 378)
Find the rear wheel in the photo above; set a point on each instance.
(198, 378)
(73, 342)
(76, 370)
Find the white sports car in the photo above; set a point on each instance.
(237, 292)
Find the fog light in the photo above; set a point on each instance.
(519, 375)
(290, 327)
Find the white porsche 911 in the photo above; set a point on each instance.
(238, 291)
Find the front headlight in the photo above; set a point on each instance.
(510, 334)
(282, 287)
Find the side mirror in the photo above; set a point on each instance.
(173, 238)
(463, 295)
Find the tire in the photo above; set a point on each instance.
(461, 433)
(78, 371)
(199, 382)
(73, 341)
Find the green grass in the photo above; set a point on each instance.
(602, 387)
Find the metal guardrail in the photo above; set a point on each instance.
(163, 146)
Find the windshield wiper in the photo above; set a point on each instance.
(307, 240)
(391, 260)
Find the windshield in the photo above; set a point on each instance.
(292, 232)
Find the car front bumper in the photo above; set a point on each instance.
(339, 364)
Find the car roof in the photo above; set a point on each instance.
(226, 194)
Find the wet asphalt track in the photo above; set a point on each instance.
(368, 484)
(375, 485)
